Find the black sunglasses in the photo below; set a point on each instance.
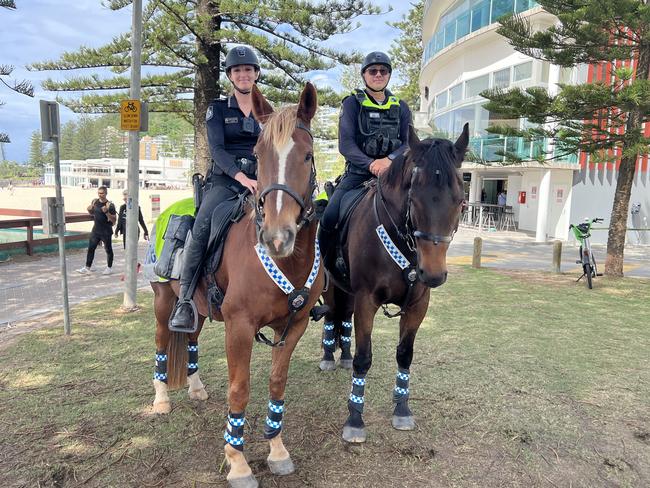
(374, 71)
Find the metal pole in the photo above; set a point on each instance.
(132, 206)
(61, 234)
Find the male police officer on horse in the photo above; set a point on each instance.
(232, 135)
(373, 131)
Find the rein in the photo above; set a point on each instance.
(410, 235)
(297, 297)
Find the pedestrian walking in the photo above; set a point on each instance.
(104, 217)
(120, 228)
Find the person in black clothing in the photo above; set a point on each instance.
(232, 135)
(373, 131)
(120, 228)
(104, 216)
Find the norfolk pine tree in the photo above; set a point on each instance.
(406, 54)
(184, 43)
(602, 120)
(24, 87)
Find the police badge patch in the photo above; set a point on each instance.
(209, 113)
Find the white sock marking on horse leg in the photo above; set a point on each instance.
(283, 153)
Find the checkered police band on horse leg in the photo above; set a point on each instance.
(395, 252)
(269, 275)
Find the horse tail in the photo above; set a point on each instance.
(177, 360)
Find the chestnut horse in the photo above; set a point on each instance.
(277, 240)
(395, 252)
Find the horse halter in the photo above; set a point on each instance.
(410, 233)
(306, 208)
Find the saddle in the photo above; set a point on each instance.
(335, 263)
(177, 235)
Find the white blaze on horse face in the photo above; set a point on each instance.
(283, 154)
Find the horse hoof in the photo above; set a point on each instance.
(246, 482)
(345, 363)
(354, 435)
(327, 365)
(199, 394)
(403, 423)
(282, 467)
(162, 408)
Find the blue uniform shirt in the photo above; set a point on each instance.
(349, 131)
(227, 136)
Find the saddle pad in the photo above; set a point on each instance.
(182, 207)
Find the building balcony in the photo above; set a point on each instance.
(469, 17)
(493, 149)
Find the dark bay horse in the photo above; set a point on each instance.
(279, 239)
(395, 252)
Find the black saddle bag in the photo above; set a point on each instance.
(174, 240)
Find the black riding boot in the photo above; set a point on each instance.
(325, 240)
(184, 318)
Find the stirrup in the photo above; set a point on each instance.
(195, 314)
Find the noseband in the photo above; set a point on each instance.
(306, 207)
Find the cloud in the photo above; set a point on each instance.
(41, 30)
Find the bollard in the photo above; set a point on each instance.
(557, 256)
(476, 257)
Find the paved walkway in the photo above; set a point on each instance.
(31, 286)
(517, 250)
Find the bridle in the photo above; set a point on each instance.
(410, 233)
(410, 236)
(306, 207)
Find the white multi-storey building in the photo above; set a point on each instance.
(464, 55)
(112, 173)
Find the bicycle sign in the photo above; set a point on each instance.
(130, 114)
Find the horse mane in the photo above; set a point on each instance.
(433, 156)
(280, 125)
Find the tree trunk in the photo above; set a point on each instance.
(618, 220)
(206, 83)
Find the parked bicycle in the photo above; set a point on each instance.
(582, 232)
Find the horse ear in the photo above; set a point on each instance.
(461, 144)
(413, 137)
(308, 103)
(261, 108)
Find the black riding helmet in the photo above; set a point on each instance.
(376, 57)
(240, 55)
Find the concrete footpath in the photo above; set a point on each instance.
(31, 287)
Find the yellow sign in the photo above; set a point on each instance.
(130, 114)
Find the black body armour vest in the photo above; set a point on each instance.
(379, 125)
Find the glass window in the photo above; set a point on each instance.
(474, 87)
(501, 78)
(522, 71)
(450, 34)
(523, 5)
(480, 14)
(501, 7)
(440, 40)
(441, 100)
(462, 25)
(456, 93)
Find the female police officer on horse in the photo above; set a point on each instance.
(232, 135)
(373, 130)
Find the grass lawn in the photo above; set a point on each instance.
(517, 380)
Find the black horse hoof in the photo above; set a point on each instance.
(345, 363)
(354, 435)
(403, 423)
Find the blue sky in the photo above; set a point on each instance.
(41, 30)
